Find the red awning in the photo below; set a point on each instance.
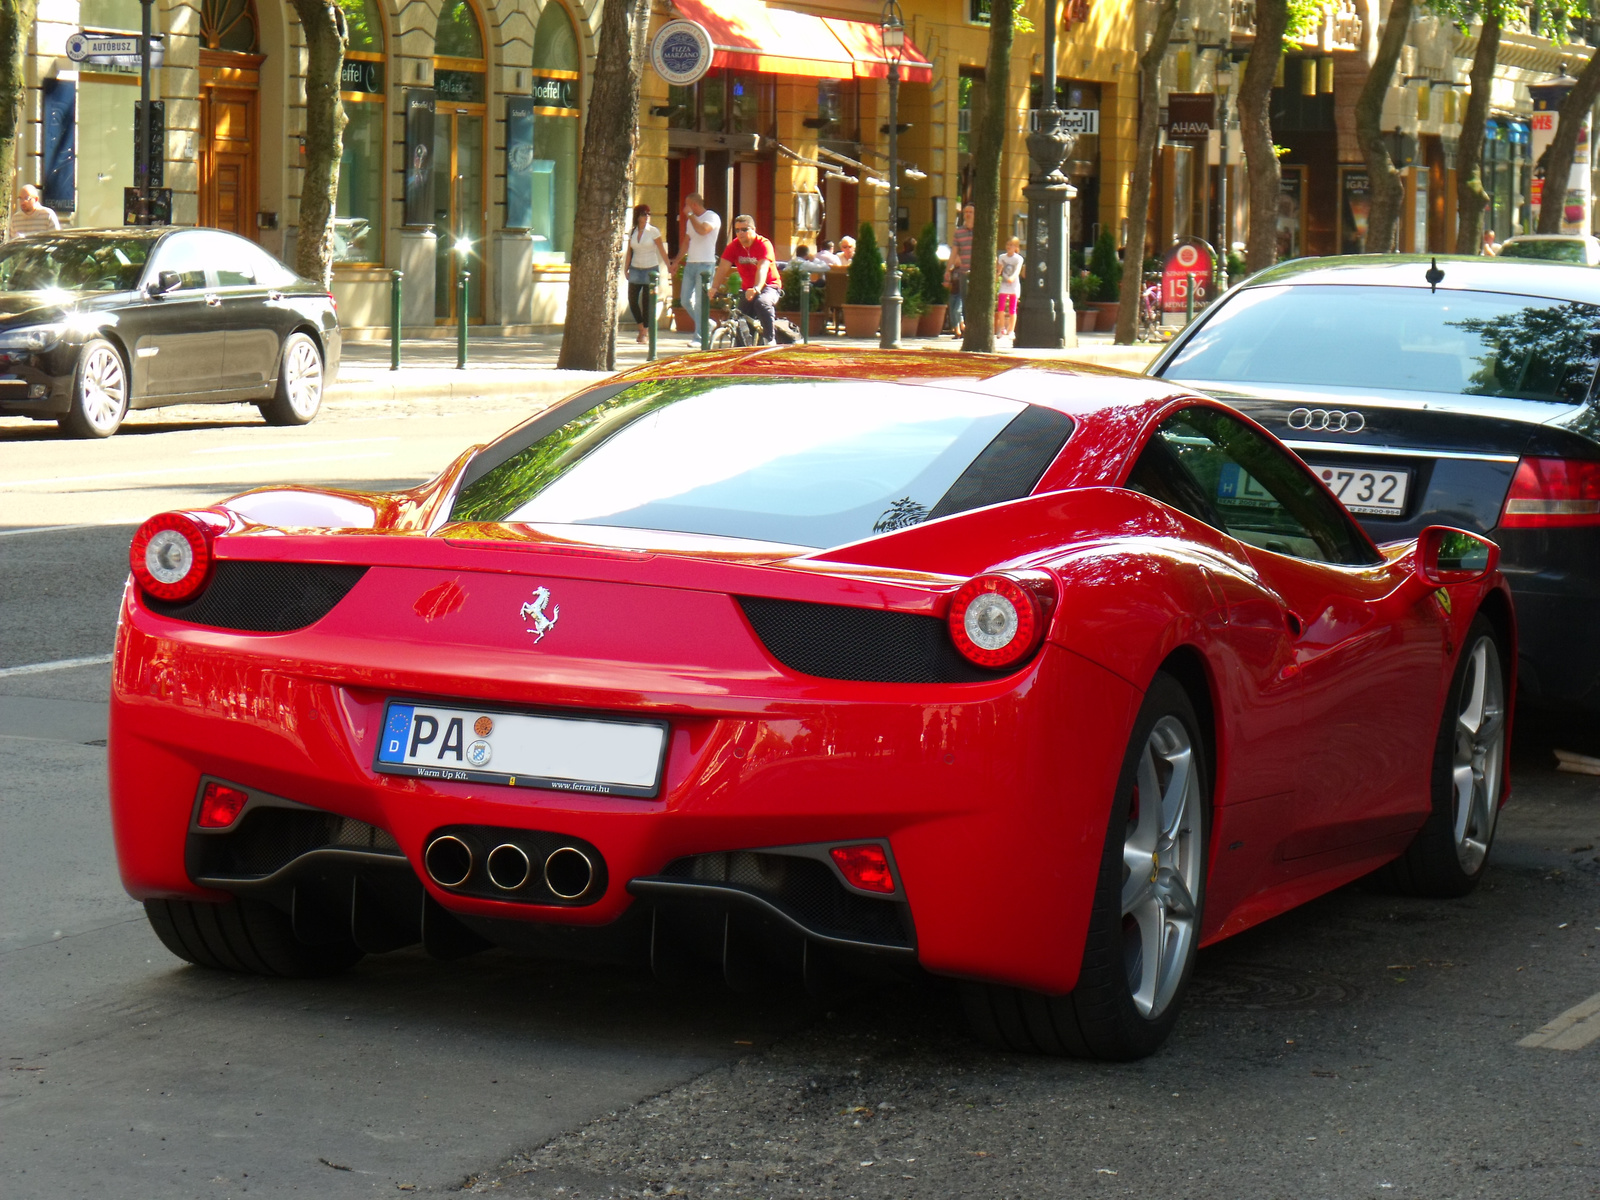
(748, 35)
(864, 41)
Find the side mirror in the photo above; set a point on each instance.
(165, 281)
(1446, 555)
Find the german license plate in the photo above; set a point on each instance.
(594, 755)
(1374, 491)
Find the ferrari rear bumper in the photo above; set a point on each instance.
(990, 797)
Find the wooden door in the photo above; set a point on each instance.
(227, 160)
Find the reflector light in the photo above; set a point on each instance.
(220, 805)
(1552, 492)
(171, 556)
(995, 621)
(865, 867)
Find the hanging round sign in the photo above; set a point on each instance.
(681, 52)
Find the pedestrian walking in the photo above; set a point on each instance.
(30, 215)
(960, 265)
(697, 253)
(754, 258)
(646, 253)
(1005, 310)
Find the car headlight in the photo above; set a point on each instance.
(32, 337)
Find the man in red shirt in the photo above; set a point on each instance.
(754, 258)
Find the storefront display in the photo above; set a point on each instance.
(553, 164)
(358, 213)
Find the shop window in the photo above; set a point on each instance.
(684, 103)
(750, 103)
(358, 212)
(458, 35)
(838, 106)
(555, 135)
(228, 25)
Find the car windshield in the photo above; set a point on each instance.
(1554, 250)
(1410, 339)
(802, 462)
(73, 264)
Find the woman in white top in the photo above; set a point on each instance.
(646, 253)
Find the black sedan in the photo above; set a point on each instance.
(1460, 392)
(96, 322)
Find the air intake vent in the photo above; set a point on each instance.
(837, 641)
(265, 597)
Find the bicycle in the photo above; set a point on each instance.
(1150, 327)
(741, 330)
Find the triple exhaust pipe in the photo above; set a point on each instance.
(567, 871)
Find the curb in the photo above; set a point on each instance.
(422, 383)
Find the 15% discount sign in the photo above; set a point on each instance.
(1187, 274)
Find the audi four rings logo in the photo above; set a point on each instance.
(1330, 419)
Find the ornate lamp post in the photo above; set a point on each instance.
(894, 40)
(1044, 316)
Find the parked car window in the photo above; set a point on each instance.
(1343, 335)
(1553, 250)
(73, 263)
(231, 260)
(803, 462)
(1221, 471)
(268, 270)
(185, 254)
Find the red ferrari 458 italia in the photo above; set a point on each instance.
(1025, 674)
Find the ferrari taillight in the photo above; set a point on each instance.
(1548, 492)
(220, 805)
(866, 867)
(171, 556)
(996, 621)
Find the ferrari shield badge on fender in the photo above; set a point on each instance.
(534, 611)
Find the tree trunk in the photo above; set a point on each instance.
(1471, 199)
(1255, 127)
(1388, 193)
(324, 25)
(16, 30)
(979, 299)
(1558, 159)
(1144, 165)
(605, 187)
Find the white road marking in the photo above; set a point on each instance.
(43, 529)
(63, 664)
(290, 445)
(11, 485)
(1572, 1030)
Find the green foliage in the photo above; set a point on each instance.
(1236, 267)
(1105, 266)
(1083, 287)
(1303, 18)
(1552, 18)
(866, 269)
(792, 280)
(928, 262)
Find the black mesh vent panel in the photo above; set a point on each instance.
(805, 888)
(837, 641)
(270, 838)
(265, 597)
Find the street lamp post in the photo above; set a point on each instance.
(894, 40)
(1044, 320)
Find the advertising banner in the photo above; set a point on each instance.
(519, 162)
(1573, 193)
(419, 156)
(1355, 205)
(1190, 116)
(1190, 267)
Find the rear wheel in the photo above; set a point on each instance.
(247, 936)
(299, 394)
(1144, 929)
(1448, 855)
(100, 391)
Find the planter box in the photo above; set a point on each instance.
(1108, 315)
(819, 321)
(861, 320)
(682, 320)
(931, 323)
(908, 325)
(1087, 319)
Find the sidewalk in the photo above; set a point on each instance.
(525, 366)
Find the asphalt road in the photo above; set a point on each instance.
(1362, 1046)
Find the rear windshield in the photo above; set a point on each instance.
(804, 462)
(1461, 343)
(1554, 250)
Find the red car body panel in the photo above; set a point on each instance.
(993, 796)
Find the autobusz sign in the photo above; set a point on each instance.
(1190, 267)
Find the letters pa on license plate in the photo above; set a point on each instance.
(597, 756)
(1375, 491)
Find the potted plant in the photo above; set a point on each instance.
(863, 298)
(912, 305)
(1105, 266)
(934, 293)
(789, 303)
(681, 319)
(1083, 287)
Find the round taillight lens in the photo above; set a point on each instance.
(171, 556)
(996, 621)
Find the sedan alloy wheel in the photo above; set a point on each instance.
(1479, 754)
(100, 392)
(299, 394)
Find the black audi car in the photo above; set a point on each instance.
(1456, 391)
(96, 322)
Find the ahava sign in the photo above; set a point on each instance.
(681, 52)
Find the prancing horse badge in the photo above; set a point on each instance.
(534, 612)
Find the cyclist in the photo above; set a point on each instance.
(754, 258)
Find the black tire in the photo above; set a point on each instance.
(1445, 859)
(300, 381)
(101, 389)
(1100, 1018)
(246, 936)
